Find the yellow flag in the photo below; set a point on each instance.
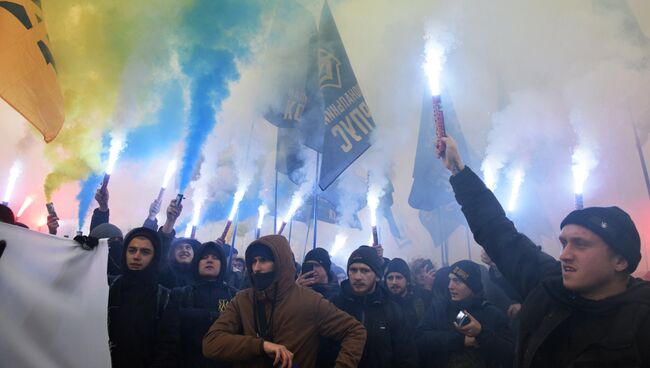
(28, 79)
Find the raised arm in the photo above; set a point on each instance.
(520, 261)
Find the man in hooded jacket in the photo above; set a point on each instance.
(141, 328)
(201, 303)
(179, 270)
(583, 311)
(276, 322)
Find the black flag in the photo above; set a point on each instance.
(348, 122)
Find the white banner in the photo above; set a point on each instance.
(53, 302)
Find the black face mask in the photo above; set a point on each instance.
(263, 280)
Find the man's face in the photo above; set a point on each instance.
(139, 254)
(320, 275)
(396, 283)
(209, 266)
(458, 289)
(362, 278)
(588, 263)
(420, 276)
(262, 265)
(184, 253)
(238, 265)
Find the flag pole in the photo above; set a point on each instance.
(315, 205)
(275, 201)
(644, 167)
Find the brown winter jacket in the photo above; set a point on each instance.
(300, 316)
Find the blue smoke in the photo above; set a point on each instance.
(153, 138)
(219, 33)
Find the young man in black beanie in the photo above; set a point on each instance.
(141, 328)
(276, 322)
(320, 279)
(585, 310)
(390, 337)
(398, 283)
(482, 340)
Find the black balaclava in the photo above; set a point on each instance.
(149, 274)
(260, 281)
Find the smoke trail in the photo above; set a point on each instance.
(220, 33)
(93, 45)
(85, 197)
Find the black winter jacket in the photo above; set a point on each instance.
(390, 338)
(558, 328)
(440, 344)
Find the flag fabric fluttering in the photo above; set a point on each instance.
(431, 191)
(348, 122)
(28, 77)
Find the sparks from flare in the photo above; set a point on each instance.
(171, 169)
(261, 212)
(517, 180)
(296, 202)
(117, 144)
(28, 202)
(339, 242)
(434, 58)
(583, 163)
(239, 195)
(14, 173)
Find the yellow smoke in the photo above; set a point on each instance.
(91, 44)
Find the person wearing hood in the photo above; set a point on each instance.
(179, 270)
(320, 278)
(585, 309)
(390, 337)
(201, 303)
(115, 248)
(276, 322)
(141, 328)
(399, 286)
(483, 339)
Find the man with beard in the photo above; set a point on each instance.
(320, 278)
(585, 310)
(276, 322)
(179, 272)
(390, 337)
(398, 284)
(140, 325)
(483, 339)
(201, 303)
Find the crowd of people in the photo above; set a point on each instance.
(176, 302)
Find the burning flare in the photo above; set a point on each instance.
(517, 180)
(117, 145)
(262, 211)
(28, 202)
(583, 162)
(171, 169)
(434, 58)
(339, 242)
(239, 195)
(14, 173)
(296, 202)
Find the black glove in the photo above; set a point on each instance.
(87, 242)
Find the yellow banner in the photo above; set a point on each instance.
(28, 79)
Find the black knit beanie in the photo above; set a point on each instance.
(399, 265)
(258, 250)
(469, 273)
(321, 256)
(614, 226)
(368, 256)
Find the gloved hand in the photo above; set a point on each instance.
(87, 242)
